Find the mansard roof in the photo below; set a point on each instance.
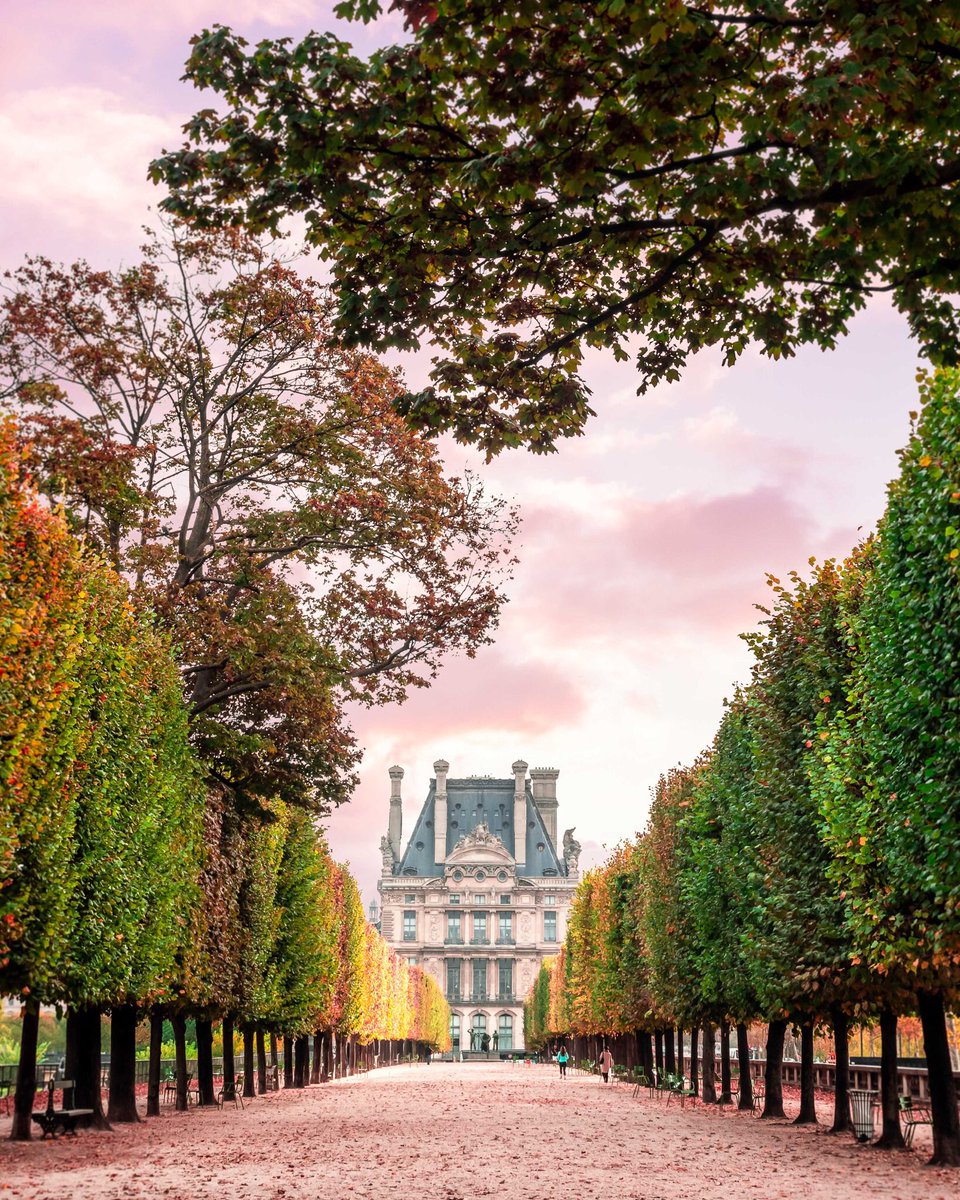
(471, 802)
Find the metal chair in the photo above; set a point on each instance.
(232, 1091)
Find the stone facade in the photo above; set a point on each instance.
(473, 903)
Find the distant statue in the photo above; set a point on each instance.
(473, 1039)
(496, 1040)
(571, 850)
(387, 851)
(485, 1043)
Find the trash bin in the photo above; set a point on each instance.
(861, 1111)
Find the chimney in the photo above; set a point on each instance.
(395, 828)
(440, 812)
(520, 811)
(543, 781)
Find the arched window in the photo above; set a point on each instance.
(505, 1031)
(455, 1031)
(478, 1029)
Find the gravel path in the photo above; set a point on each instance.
(457, 1132)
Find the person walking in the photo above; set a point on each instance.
(606, 1064)
(562, 1058)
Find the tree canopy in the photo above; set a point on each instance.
(203, 427)
(520, 182)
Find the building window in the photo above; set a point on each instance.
(505, 1031)
(505, 927)
(549, 926)
(409, 899)
(505, 979)
(479, 1029)
(480, 928)
(479, 979)
(504, 899)
(412, 960)
(455, 1031)
(454, 897)
(550, 901)
(409, 926)
(479, 899)
(453, 928)
(453, 978)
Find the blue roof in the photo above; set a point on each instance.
(471, 802)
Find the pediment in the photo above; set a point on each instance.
(480, 846)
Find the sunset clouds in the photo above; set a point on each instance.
(645, 543)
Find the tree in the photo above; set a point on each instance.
(798, 937)
(519, 182)
(100, 804)
(248, 476)
(888, 766)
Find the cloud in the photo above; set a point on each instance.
(488, 694)
(688, 564)
(76, 157)
(189, 14)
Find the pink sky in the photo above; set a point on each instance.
(645, 543)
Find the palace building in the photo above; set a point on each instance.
(480, 894)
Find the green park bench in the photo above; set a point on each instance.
(914, 1112)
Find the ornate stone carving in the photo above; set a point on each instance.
(481, 836)
(571, 850)
(387, 853)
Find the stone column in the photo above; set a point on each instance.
(440, 812)
(543, 782)
(520, 811)
(395, 828)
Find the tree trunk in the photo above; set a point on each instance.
(725, 1096)
(229, 1066)
(83, 1062)
(26, 1091)
(808, 1102)
(680, 1070)
(773, 1075)
(153, 1073)
(694, 1060)
(122, 1097)
(891, 1135)
(328, 1068)
(288, 1062)
(645, 1050)
(205, 1091)
(317, 1063)
(180, 1049)
(261, 1062)
(274, 1075)
(669, 1053)
(943, 1091)
(842, 1122)
(746, 1076)
(658, 1043)
(249, 1091)
(708, 1090)
(301, 1061)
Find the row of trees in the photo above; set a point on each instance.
(805, 868)
(227, 535)
(132, 879)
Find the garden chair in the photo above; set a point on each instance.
(640, 1080)
(232, 1092)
